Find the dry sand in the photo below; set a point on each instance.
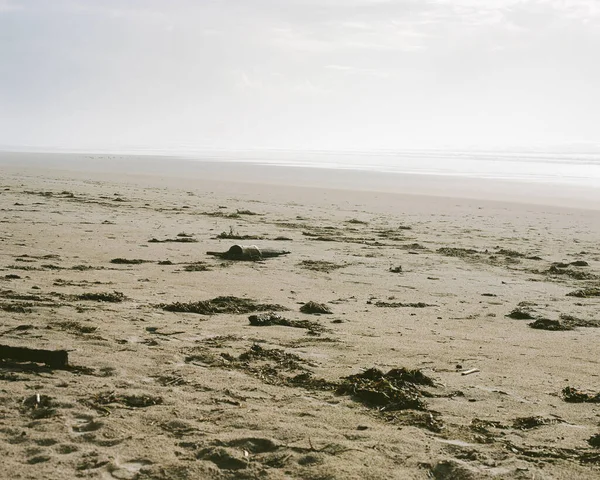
(155, 394)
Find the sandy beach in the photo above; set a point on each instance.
(462, 339)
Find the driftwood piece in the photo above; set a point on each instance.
(248, 252)
(52, 358)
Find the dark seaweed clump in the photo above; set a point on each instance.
(572, 395)
(270, 319)
(398, 389)
(125, 261)
(552, 325)
(114, 297)
(315, 308)
(233, 305)
(457, 252)
(520, 314)
(585, 293)
(402, 304)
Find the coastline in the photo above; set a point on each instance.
(186, 173)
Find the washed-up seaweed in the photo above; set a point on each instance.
(573, 395)
(520, 314)
(527, 423)
(402, 305)
(320, 265)
(315, 308)
(271, 318)
(232, 305)
(457, 252)
(113, 297)
(104, 399)
(398, 389)
(585, 293)
(174, 240)
(551, 325)
(196, 267)
(127, 261)
(576, 274)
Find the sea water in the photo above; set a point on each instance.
(580, 168)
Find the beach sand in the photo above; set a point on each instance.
(418, 272)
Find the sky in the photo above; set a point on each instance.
(348, 75)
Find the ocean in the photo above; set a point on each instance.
(539, 167)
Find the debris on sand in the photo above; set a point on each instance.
(197, 267)
(397, 269)
(527, 423)
(176, 240)
(579, 322)
(520, 314)
(125, 261)
(113, 297)
(248, 252)
(576, 274)
(52, 358)
(271, 318)
(315, 308)
(285, 361)
(234, 235)
(101, 400)
(233, 305)
(572, 395)
(552, 325)
(398, 389)
(580, 263)
(38, 406)
(320, 265)
(402, 305)
(457, 252)
(585, 293)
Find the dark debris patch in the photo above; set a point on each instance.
(402, 305)
(126, 261)
(232, 305)
(576, 274)
(113, 297)
(585, 293)
(271, 318)
(520, 314)
(197, 267)
(101, 400)
(457, 252)
(174, 240)
(551, 325)
(320, 265)
(527, 423)
(38, 406)
(573, 321)
(573, 395)
(315, 308)
(398, 389)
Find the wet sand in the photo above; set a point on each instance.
(419, 273)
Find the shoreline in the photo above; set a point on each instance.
(186, 173)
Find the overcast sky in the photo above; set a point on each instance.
(308, 74)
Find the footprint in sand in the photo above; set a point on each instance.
(85, 424)
(127, 470)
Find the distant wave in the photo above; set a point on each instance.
(557, 168)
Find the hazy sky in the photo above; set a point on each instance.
(314, 74)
